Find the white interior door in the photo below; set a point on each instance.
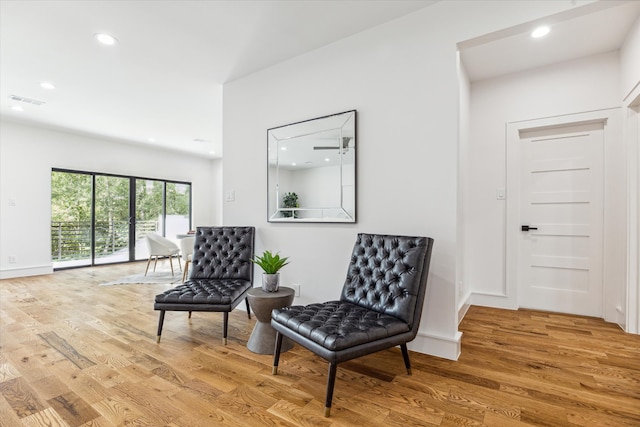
(560, 257)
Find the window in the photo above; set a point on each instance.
(102, 219)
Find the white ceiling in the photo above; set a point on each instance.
(592, 29)
(163, 80)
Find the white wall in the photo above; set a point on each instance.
(630, 90)
(317, 187)
(214, 198)
(27, 155)
(402, 79)
(577, 86)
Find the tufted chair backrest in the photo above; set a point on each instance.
(223, 253)
(388, 274)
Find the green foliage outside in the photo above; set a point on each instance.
(71, 212)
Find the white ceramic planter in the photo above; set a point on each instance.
(270, 282)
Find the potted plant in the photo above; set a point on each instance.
(271, 265)
(290, 200)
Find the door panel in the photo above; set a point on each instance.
(561, 187)
(111, 223)
(149, 213)
(71, 225)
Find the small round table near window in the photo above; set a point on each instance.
(263, 337)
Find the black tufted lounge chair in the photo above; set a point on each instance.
(380, 305)
(221, 275)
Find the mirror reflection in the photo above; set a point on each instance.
(312, 170)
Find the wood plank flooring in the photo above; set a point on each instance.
(73, 353)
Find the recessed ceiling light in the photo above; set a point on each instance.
(47, 85)
(327, 159)
(212, 152)
(17, 108)
(293, 164)
(283, 148)
(151, 140)
(106, 39)
(540, 32)
(31, 101)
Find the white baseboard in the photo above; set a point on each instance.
(439, 346)
(462, 311)
(11, 273)
(493, 300)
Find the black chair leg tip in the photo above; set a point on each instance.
(327, 412)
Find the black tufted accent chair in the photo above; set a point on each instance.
(380, 306)
(221, 274)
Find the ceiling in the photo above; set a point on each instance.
(589, 30)
(161, 84)
(163, 79)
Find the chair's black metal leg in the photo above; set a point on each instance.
(405, 355)
(225, 327)
(189, 315)
(276, 353)
(248, 309)
(330, 383)
(160, 322)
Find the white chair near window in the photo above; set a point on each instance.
(160, 247)
(186, 253)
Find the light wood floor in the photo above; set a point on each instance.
(73, 353)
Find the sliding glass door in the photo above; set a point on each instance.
(101, 219)
(71, 213)
(111, 219)
(178, 202)
(149, 213)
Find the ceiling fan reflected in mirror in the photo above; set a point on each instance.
(345, 145)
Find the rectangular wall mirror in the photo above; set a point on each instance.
(312, 170)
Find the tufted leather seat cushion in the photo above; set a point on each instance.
(384, 274)
(208, 291)
(337, 325)
(223, 253)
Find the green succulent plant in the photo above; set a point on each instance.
(270, 263)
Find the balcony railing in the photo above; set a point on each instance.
(71, 240)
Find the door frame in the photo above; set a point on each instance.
(614, 226)
(632, 131)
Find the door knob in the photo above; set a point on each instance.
(527, 228)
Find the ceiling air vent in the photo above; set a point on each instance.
(26, 100)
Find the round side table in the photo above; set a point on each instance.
(263, 337)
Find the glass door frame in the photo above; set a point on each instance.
(132, 212)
